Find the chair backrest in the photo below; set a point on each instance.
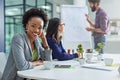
(119, 69)
(0, 75)
(3, 60)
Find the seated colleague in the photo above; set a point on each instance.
(26, 51)
(53, 35)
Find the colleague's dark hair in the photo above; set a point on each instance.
(94, 1)
(34, 12)
(53, 27)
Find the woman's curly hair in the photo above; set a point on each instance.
(34, 12)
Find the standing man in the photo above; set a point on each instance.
(100, 27)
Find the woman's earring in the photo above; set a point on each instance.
(26, 30)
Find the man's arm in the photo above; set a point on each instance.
(89, 21)
(92, 29)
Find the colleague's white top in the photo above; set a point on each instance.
(76, 72)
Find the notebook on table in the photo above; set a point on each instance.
(98, 67)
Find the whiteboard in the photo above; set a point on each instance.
(75, 23)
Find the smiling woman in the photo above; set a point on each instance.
(26, 51)
(34, 27)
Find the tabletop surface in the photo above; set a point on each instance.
(75, 72)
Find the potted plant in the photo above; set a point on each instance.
(80, 50)
(100, 46)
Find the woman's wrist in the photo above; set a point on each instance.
(46, 47)
(43, 38)
(45, 44)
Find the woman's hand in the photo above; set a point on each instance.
(37, 63)
(79, 55)
(45, 44)
(42, 36)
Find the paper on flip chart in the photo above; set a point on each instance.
(98, 67)
(75, 23)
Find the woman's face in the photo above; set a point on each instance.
(34, 27)
(61, 28)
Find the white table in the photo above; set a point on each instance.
(75, 73)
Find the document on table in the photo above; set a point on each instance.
(69, 64)
(98, 67)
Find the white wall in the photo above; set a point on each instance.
(112, 8)
(58, 3)
(81, 3)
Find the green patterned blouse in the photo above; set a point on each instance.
(34, 55)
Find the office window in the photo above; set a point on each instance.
(13, 17)
(115, 27)
(49, 9)
(58, 10)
